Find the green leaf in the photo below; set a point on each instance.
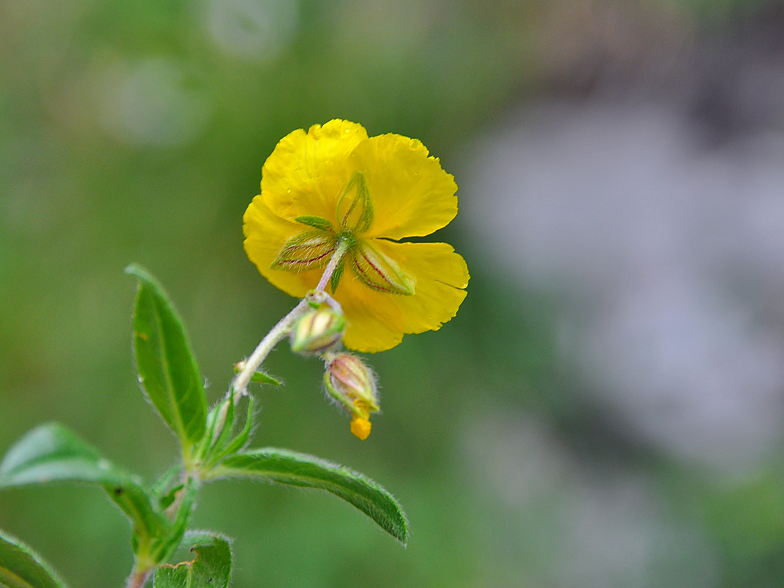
(210, 568)
(243, 436)
(21, 567)
(166, 365)
(219, 444)
(262, 378)
(297, 469)
(228, 425)
(52, 453)
(147, 524)
(162, 487)
(164, 546)
(334, 280)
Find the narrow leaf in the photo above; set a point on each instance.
(217, 453)
(243, 436)
(334, 281)
(163, 547)
(163, 484)
(147, 524)
(21, 567)
(210, 567)
(226, 411)
(297, 469)
(166, 365)
(262, 378)
(52, 453)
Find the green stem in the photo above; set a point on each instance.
(332, 265)
(138, 578)
(278, 332)
(240, 384)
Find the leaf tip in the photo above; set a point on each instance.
(140, 272)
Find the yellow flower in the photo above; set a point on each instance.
(333, 187)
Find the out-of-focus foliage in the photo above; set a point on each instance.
(135, 131)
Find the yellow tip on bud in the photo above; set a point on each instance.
(360, 427)
(351, 383)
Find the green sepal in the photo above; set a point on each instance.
(52, 453)
(306, 251)
(211, 566)
(355, 214)
(166, 365)
(379, 272)
(317, 222)
(341, 399)
(305, 471)
(21, 567)
(334, 280)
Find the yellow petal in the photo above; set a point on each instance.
(412, 195)
(307, 172)
(367, 327)
(265, 235)
(377, 320)
(441, 278)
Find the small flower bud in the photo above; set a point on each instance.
(317, 331)
(352, 384)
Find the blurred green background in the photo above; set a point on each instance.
(135, 131)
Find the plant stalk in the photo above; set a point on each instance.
(138, 578)
(239, 387)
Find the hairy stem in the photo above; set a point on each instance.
(239, 386)
(278, 332)
(332, 265)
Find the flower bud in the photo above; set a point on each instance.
(317, 331)
(352, 384)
